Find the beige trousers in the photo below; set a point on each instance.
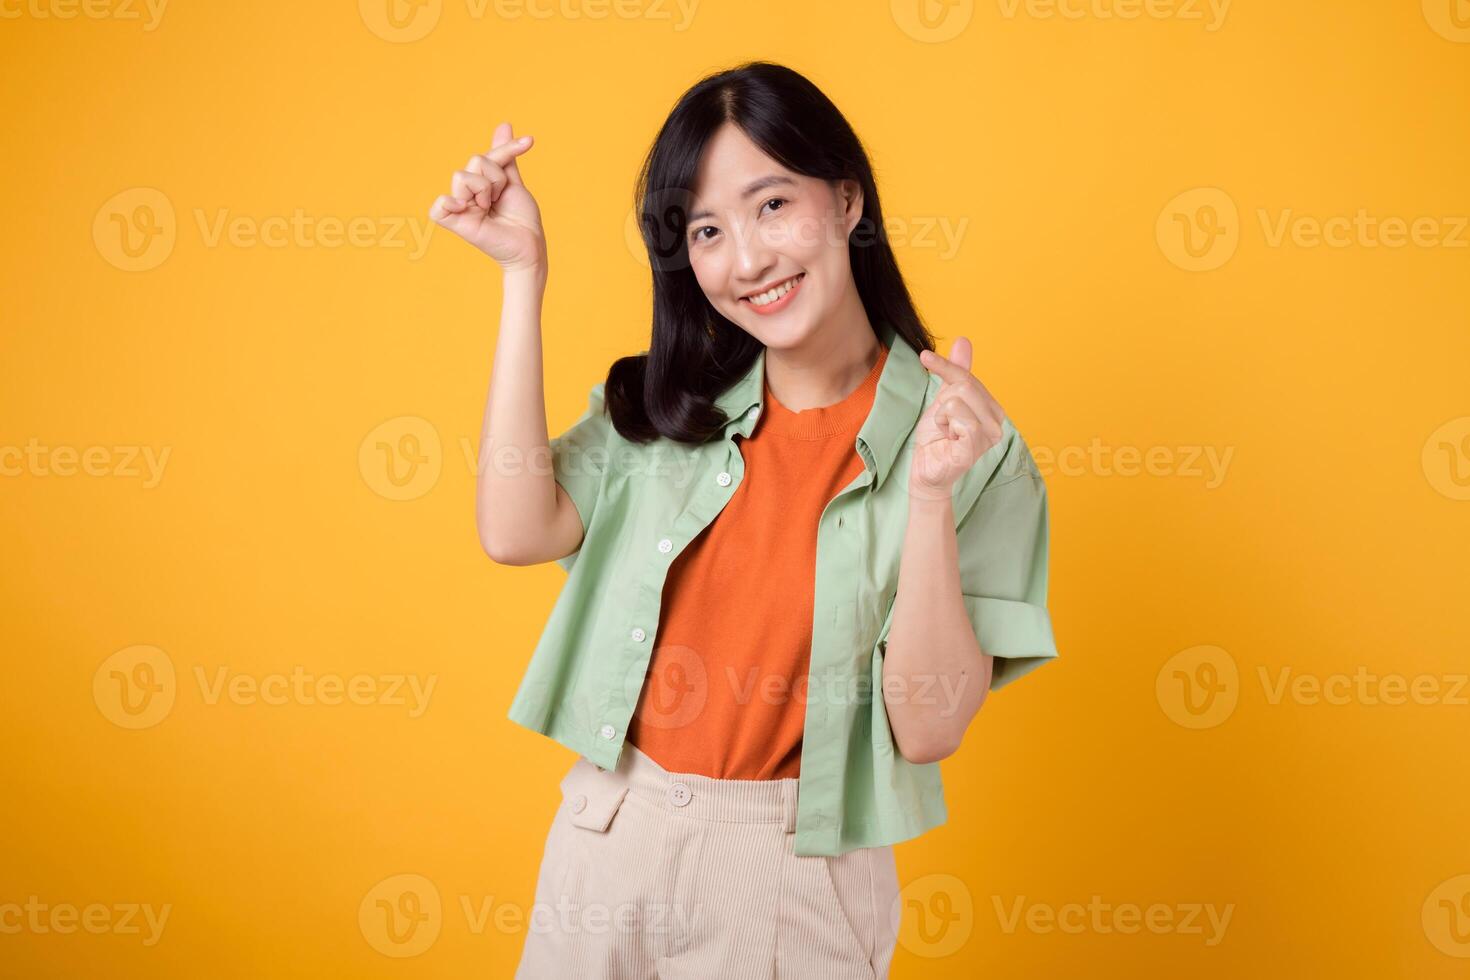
(676, 876)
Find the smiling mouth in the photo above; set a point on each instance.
(773, 295)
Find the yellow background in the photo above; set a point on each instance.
(1068, 149)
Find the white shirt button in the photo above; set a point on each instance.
(755, 412)
(638, 634)
(579, 803)
(666, 546)
(723, 479)
(679, 794)
(607, 731)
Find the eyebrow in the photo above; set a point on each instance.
(770, 180)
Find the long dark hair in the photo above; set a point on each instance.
(695, 352)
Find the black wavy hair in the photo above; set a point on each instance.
(695, 353)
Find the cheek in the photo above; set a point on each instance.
(815, 239)
(708, 271)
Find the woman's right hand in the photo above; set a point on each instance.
(490, 207)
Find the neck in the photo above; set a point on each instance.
(828, 366)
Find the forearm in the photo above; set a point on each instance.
(935, 676)
(515, 500)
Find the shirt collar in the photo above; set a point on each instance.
(896, 404)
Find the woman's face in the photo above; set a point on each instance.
(754, 225)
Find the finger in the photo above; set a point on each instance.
(504, 148)
(466, 185)
(488, 168)
(941, 420)
(961, 352)
(962, 419)
(942, 366)
(928, 429)
(445, 207)
(966, 423)
(963, 377)
(962, 446)
(973, 395)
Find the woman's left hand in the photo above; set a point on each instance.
(962, 423)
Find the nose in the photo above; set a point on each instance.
(754, 257)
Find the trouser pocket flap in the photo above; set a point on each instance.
(591, 796)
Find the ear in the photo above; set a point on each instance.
(850, 199)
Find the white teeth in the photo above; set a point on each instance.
(769, 297)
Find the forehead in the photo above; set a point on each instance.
(730, 164)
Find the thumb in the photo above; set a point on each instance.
(961, 352)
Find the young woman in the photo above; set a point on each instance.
(801, 545)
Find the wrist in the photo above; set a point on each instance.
(526, 275)
(928, 503)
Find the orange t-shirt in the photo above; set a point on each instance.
(725, 694)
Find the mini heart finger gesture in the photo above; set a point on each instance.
(957, 428)
(489, 206)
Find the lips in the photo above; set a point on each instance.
(787, 284)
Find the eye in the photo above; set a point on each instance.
(775, 199)
(694, 236)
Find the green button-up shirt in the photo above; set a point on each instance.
(641, 505)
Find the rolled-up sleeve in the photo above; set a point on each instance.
(579, 458)
(1003, 573)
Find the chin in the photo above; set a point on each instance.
(780, 332)
(781, 336)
